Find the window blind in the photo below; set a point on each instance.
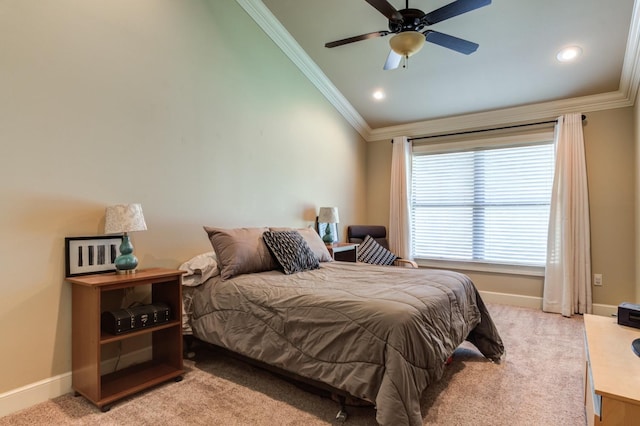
(486, 204)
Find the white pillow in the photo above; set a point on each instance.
(199, 269)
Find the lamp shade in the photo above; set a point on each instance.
(124, 218)
(407, 43)
(328, 215)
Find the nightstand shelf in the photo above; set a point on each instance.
(344, 252)
(106, 337)
(133, 379)
(89, 299)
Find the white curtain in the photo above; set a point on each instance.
(567, 280)
(399, 214)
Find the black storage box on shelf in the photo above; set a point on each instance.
(629, 314)
(135, 318)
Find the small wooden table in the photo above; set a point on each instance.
(90, 295)
(612, 374)
(344, 252)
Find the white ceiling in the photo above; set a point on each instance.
(514, 70)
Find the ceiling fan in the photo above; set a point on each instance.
(408, 25)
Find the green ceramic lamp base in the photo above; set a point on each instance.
(126, 263)
(328, 235)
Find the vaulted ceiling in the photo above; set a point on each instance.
(513, 76)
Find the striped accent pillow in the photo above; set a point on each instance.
(291, 251)
(370, 251)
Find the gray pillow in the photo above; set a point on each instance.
(240, 251)
(370, 251)
(291, 251)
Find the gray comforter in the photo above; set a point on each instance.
(380, 333)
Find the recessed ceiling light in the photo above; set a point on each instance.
(569, 54)
(378, 95)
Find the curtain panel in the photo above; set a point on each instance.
(399, 213)
(567, 281)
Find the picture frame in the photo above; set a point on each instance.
(321, 227)
(91, 255)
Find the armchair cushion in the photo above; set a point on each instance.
(357, 234)
(370, 251)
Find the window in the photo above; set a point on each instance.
(485, 201)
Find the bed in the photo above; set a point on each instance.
(379, 333)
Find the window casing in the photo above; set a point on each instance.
(484, 201)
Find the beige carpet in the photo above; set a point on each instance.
(539, 383)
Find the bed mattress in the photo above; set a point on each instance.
(379, 333)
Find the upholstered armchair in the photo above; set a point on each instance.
(358, 233)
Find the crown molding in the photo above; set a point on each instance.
(630, 78)
(281, 37)
(624, 97)
(506, 116)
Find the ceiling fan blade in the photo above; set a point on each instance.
(393, 61)
(384, 7)
(356, 38)
(456, 8)
(451, 42)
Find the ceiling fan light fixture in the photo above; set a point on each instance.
(407, 43)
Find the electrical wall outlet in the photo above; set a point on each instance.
(597, 279)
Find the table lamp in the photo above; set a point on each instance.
(328, 215)
(125, 218)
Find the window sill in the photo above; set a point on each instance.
(533, 271)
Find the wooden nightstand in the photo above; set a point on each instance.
(89, 296)
(344, 252)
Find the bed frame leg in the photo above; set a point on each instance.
(342, 413)
(187, 347)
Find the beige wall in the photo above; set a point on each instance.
(610, 154)
(184, 106)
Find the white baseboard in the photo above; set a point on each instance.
(536, 302)
(512, 299)
(34, 393)
(605, 310)
(53, 387)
